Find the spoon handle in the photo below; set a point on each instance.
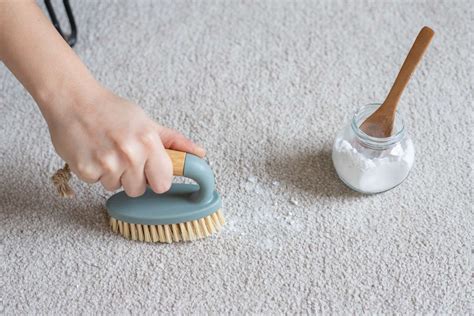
(413, 58)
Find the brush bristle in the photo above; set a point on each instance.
(187, 231)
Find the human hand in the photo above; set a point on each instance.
(108, 139)
(102, 137)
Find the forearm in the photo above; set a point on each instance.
(41, 60)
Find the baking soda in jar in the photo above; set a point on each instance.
(369, 164)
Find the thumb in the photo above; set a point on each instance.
(172, 139)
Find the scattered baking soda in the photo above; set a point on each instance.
(252, 179)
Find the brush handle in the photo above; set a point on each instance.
(193, 167)
(178, 159)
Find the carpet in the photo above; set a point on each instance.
(264, 86)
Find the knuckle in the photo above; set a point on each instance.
(86, 173)
(133, 153)
(85, 170)
(107, 162)
(126, 147)
(81, 167)
(148, 138)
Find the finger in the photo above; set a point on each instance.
(159, 170)
(133, 180)
(172, 139)
(87, 172)
(112, 172)
(111, 182)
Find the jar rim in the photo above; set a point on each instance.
(366, 110)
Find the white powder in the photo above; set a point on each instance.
(372, 171)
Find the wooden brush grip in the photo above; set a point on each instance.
(177, 158)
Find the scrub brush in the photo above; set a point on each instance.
(186, 212)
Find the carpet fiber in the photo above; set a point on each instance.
(264, 86)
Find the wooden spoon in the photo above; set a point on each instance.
(380, 123)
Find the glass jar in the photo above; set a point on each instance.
(370, 164)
